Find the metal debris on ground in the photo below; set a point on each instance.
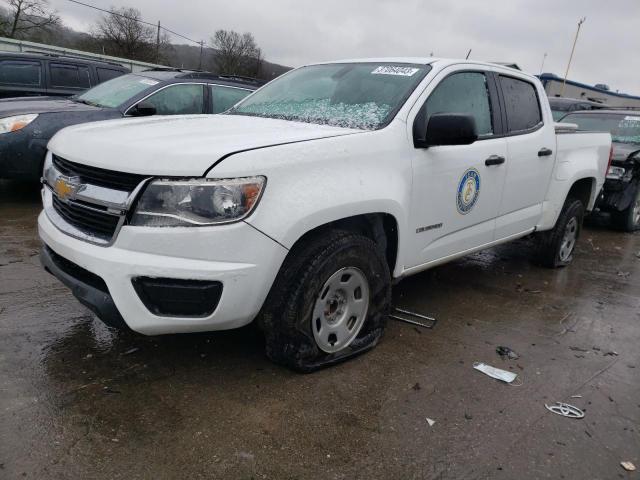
(430, 421)
(565, 410)
(494, 372)
(131, 350)
(628, 466)
(506, 352)
(413, 318)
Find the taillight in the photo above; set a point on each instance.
(610, 160)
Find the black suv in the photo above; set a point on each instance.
(27, 124)
(33, 74)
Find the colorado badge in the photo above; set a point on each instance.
(468, 191)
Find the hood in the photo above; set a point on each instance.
(178, 145)
(24, 105)
(622, 151)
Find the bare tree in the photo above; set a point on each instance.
(122, 33)
(236, 54)
(26, 16)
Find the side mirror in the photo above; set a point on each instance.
(449, 129)
(143, 109)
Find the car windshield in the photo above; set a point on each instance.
(623, 128)
(117, 91)
(351, 95)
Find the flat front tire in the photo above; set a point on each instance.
(329, 302)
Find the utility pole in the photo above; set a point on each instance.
(575, 40)
(200, 63)
(544, 57)
(158, 44)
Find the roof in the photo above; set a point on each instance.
(41, 55)
(166, 74)
(546, 77)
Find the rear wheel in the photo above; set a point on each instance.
(629, 219)
(329, 302)
(557, 245)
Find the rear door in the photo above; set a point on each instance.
(456, 196)
(531, 142)
(68, 78)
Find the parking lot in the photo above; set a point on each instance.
(78, 400)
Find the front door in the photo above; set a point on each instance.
(456, 192)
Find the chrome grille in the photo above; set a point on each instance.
(86, 202)
(98, 176)
(89, 220)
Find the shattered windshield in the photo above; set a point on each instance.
(116, 91)
(352, 95)
(623, 128)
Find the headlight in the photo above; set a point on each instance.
(191, 203)
(13, 124)
(615, 173)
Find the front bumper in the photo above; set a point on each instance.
(243, 259)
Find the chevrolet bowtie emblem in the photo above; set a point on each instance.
(67, 187)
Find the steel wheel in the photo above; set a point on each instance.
(340, 309)
(569, 239)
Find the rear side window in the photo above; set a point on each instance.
(105, 74)
(20, 72)
(65, 75)
(465, 92)
(178, 100)
(224, 98)
(521, 104)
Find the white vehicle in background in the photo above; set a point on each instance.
(302, 204)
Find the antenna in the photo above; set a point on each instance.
(468, 53)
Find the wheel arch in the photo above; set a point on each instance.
(381, 227)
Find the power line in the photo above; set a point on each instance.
(135, 20)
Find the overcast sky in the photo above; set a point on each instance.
(295, 32)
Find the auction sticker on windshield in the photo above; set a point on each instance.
(148, 81)
(391, 70)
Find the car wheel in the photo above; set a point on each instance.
(629, 219)
(557, 245)
(329, 302)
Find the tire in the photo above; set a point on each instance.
(314, 293)
(556, 246)
(629, 219)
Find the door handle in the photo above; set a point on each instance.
(544, 152)
(494, 160)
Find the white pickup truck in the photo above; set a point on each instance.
(301, 205)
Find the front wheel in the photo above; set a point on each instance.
(557, 245)
(329, 302)
(629, 219)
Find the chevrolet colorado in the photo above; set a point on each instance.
(302, 204)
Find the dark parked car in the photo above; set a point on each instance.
(35, 74)
(27, 124)
(621, 192)
(560, 106)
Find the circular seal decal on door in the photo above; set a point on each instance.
(468, 191)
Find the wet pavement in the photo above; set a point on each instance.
(78, 400)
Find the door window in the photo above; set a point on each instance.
(20, 72)
(224, 98)
(69, 76)
(464, 92)
(178, 100)
(521, 104)
(105, 74)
